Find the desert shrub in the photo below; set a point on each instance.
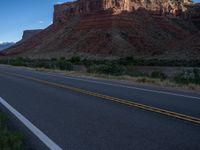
(17, 61)
(92, 68)
(158, 62)
(4, 61)
(9, 140)
(159, 75)
(197, 76)
(126, 61)
(64, 64)
(75, 59)
(136, 74)
(39, 63)
(87, 62)
(108, 68)
(187, 77)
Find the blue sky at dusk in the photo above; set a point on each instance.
(19, 15)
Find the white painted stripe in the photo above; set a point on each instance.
(126, 86)
(46, 140)
(118, 85)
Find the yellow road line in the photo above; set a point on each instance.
(114, 99)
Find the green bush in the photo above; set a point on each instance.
(188, 77)
(158, 62)
(136, 74)
(127, 61)
(41, 64)
(159, 75)
(17, 61)
(108, 68)
(4, 61)
(9, 140)
(75, 59)
(64, 64)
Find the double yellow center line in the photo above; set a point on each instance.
(130, 103)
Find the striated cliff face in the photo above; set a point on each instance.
(139, 28)
(62, 12)
(193, 13)
(27, 34)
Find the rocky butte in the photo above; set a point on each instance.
(139, 28)
(62, 12)
(27, 34)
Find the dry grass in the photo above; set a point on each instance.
(9, 140)
(127, 79)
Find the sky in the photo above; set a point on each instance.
(19, 15)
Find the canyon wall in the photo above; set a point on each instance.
(193, 13)
(62, 12)
(29, 33)
(107, 28)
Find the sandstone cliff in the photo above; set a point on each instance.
(149, 29)
(82, 7)
(27, 34)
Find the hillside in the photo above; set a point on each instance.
(28, 34)
(5, 45)
(109, 32)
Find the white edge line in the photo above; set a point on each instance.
(126, 86)
(118, 85)
(46, 140)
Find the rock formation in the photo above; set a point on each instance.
(193, 14)
(62, 12)
(139, 28)
(27, 34)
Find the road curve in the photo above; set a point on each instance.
(82, 113)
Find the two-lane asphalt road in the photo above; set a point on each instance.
(75, 113)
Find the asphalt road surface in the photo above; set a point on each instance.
(77, 113)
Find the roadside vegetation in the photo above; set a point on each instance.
(122, 67)
(9, 140)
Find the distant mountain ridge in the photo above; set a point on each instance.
(29, 33)
(26, 35)
(6, 45)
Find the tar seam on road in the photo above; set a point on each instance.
(46, 140)
(114, 99)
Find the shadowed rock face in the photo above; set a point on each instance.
(193, 13)
(29, 33)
